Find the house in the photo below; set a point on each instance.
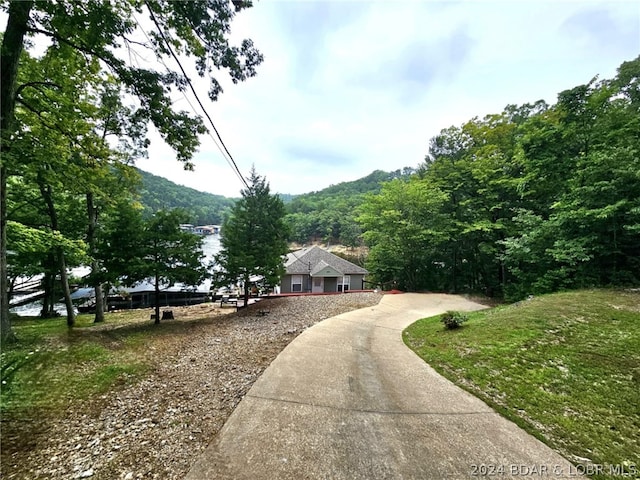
(314, 270)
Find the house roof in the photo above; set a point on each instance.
(323, 269)
(312, 260)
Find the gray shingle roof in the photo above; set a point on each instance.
(297, 262)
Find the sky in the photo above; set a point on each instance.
(349, 87)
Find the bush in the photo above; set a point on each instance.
(453, 320)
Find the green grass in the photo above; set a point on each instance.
(566, 367)
(51, 366)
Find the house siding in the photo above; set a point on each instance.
(330, 284)
(315, 262)
(285, 284)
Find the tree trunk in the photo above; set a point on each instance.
(64, 281)
(101, 308)
(454, 271)
(246, 291)
(12, 46)
(48, 301)
(157, 298)
(45, 190)
(92, 223)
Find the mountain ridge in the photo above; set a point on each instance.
(319, 213)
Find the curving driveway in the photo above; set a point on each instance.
(348, 400)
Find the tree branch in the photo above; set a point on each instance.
(108, 58)
(34, 84)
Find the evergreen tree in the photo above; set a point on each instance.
(154, 249)
(254, 237)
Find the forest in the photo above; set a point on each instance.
(329, 215)
(75, 111)
(158, 193)
(536, 198)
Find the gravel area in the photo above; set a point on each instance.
(157, 427)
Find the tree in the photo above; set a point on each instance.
(532, 200)
(67, 157)
(254, 237)
(10, 51)
(170, 255)
(155, 249)
(581, 187)
(105, 32)
(30, 247)
(405, 228)
(328, 214)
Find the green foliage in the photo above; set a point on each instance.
(535, 199)
(30, 246)
(48, 367)
(202, 208)
(563, 366)
(61, 110)
(155, 248)
(401, 244)
(254, 237)
(329, 214)
(169, 254)
(453, 320)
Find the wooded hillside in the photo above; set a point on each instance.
(329, 214)
(158, 193)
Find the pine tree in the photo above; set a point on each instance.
(254, 237)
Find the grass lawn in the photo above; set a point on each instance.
(50, 367)
(566, 367)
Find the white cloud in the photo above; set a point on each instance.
(350, 87)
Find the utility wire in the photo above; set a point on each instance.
(175, 57)
(186, 98)
(193, 109)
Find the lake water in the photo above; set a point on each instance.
(210, 246)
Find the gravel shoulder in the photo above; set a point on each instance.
(158, 427)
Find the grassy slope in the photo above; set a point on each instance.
(566, 367)
(51, 366)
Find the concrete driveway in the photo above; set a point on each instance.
(348, 400)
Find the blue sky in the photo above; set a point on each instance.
(348, 87)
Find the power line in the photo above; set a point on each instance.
(186, 77)
(193, 109)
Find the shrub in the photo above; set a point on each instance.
(453, 320)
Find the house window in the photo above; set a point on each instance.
(296, 283)
(343, 283)
(317, 281)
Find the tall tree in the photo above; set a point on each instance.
(10, 51)
(153, 249)
(254, 237)
(406, 228)
(535, 199)
(47, 144)
(170, 255)
(106, 32)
